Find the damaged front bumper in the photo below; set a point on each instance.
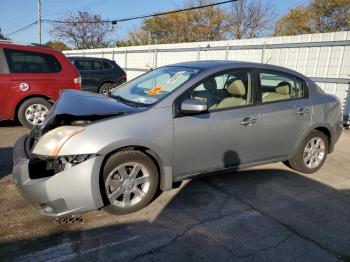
(73, 190)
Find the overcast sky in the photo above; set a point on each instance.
(19, 13)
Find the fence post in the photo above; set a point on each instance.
(227, 50)
(113, 55)
(199, 53)
(263, 53)
(155, 58)
(126, 60)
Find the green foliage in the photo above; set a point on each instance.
(205, 24)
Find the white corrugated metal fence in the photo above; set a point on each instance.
(323, 57)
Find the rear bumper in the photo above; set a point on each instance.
(72, 191)
(346, 121)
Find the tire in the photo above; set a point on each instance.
(33, 111)
(105, 88)
(122, 184)
(311, 154)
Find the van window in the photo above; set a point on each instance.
(31, 62)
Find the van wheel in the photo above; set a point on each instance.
(105, 88)
(130, 181)
(311, 154)
(33, 112)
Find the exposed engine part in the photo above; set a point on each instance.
(69, 219)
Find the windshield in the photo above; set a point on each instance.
(153, 86)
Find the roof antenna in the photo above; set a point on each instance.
(268, 61)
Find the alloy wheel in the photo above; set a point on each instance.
(127, 184)
(35, 114)
(314, 152)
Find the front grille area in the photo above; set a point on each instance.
(39, 168)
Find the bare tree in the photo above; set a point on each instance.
(250, 18)
(83, 30)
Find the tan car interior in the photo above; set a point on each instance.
(282, 92)
(232, 92)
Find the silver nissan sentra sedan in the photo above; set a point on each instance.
(173, 123)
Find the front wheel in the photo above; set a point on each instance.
(130, 181)
(311, 154)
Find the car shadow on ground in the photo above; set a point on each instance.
(5, 161)
(8, 123)
(253, 215)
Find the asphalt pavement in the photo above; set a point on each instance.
(267, 213)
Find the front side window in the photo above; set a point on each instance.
(31, 62)
(155, 85)
(228, 90)
(277, 87)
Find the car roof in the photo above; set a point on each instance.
(88, 58)
(218, 64)
(31, 46)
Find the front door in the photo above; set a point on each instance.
(223, 137)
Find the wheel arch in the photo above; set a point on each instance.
(164, 183)
(105, 82)
(327, 133)
(322, 128)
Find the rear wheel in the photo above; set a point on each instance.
(33, 112)
(130, 181)
(311, 154)
(105, 88)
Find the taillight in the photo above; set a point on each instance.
(124, 77)
(77, 82)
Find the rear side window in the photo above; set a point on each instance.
(107, 65)
(88, 65)
(276, 87)
(31, 62)
(97, 65)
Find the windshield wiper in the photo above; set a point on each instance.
(126, 101)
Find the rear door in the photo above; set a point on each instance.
(4, 82)
(285, 113)
(91, 72)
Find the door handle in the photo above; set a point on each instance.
(248, 121)
(302, 111)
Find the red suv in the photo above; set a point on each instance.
(31, 78)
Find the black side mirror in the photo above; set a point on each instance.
(193, 106)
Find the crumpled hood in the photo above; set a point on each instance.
(76, 105)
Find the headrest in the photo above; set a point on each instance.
(210, 85)
(283, 88)
(236, 88)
